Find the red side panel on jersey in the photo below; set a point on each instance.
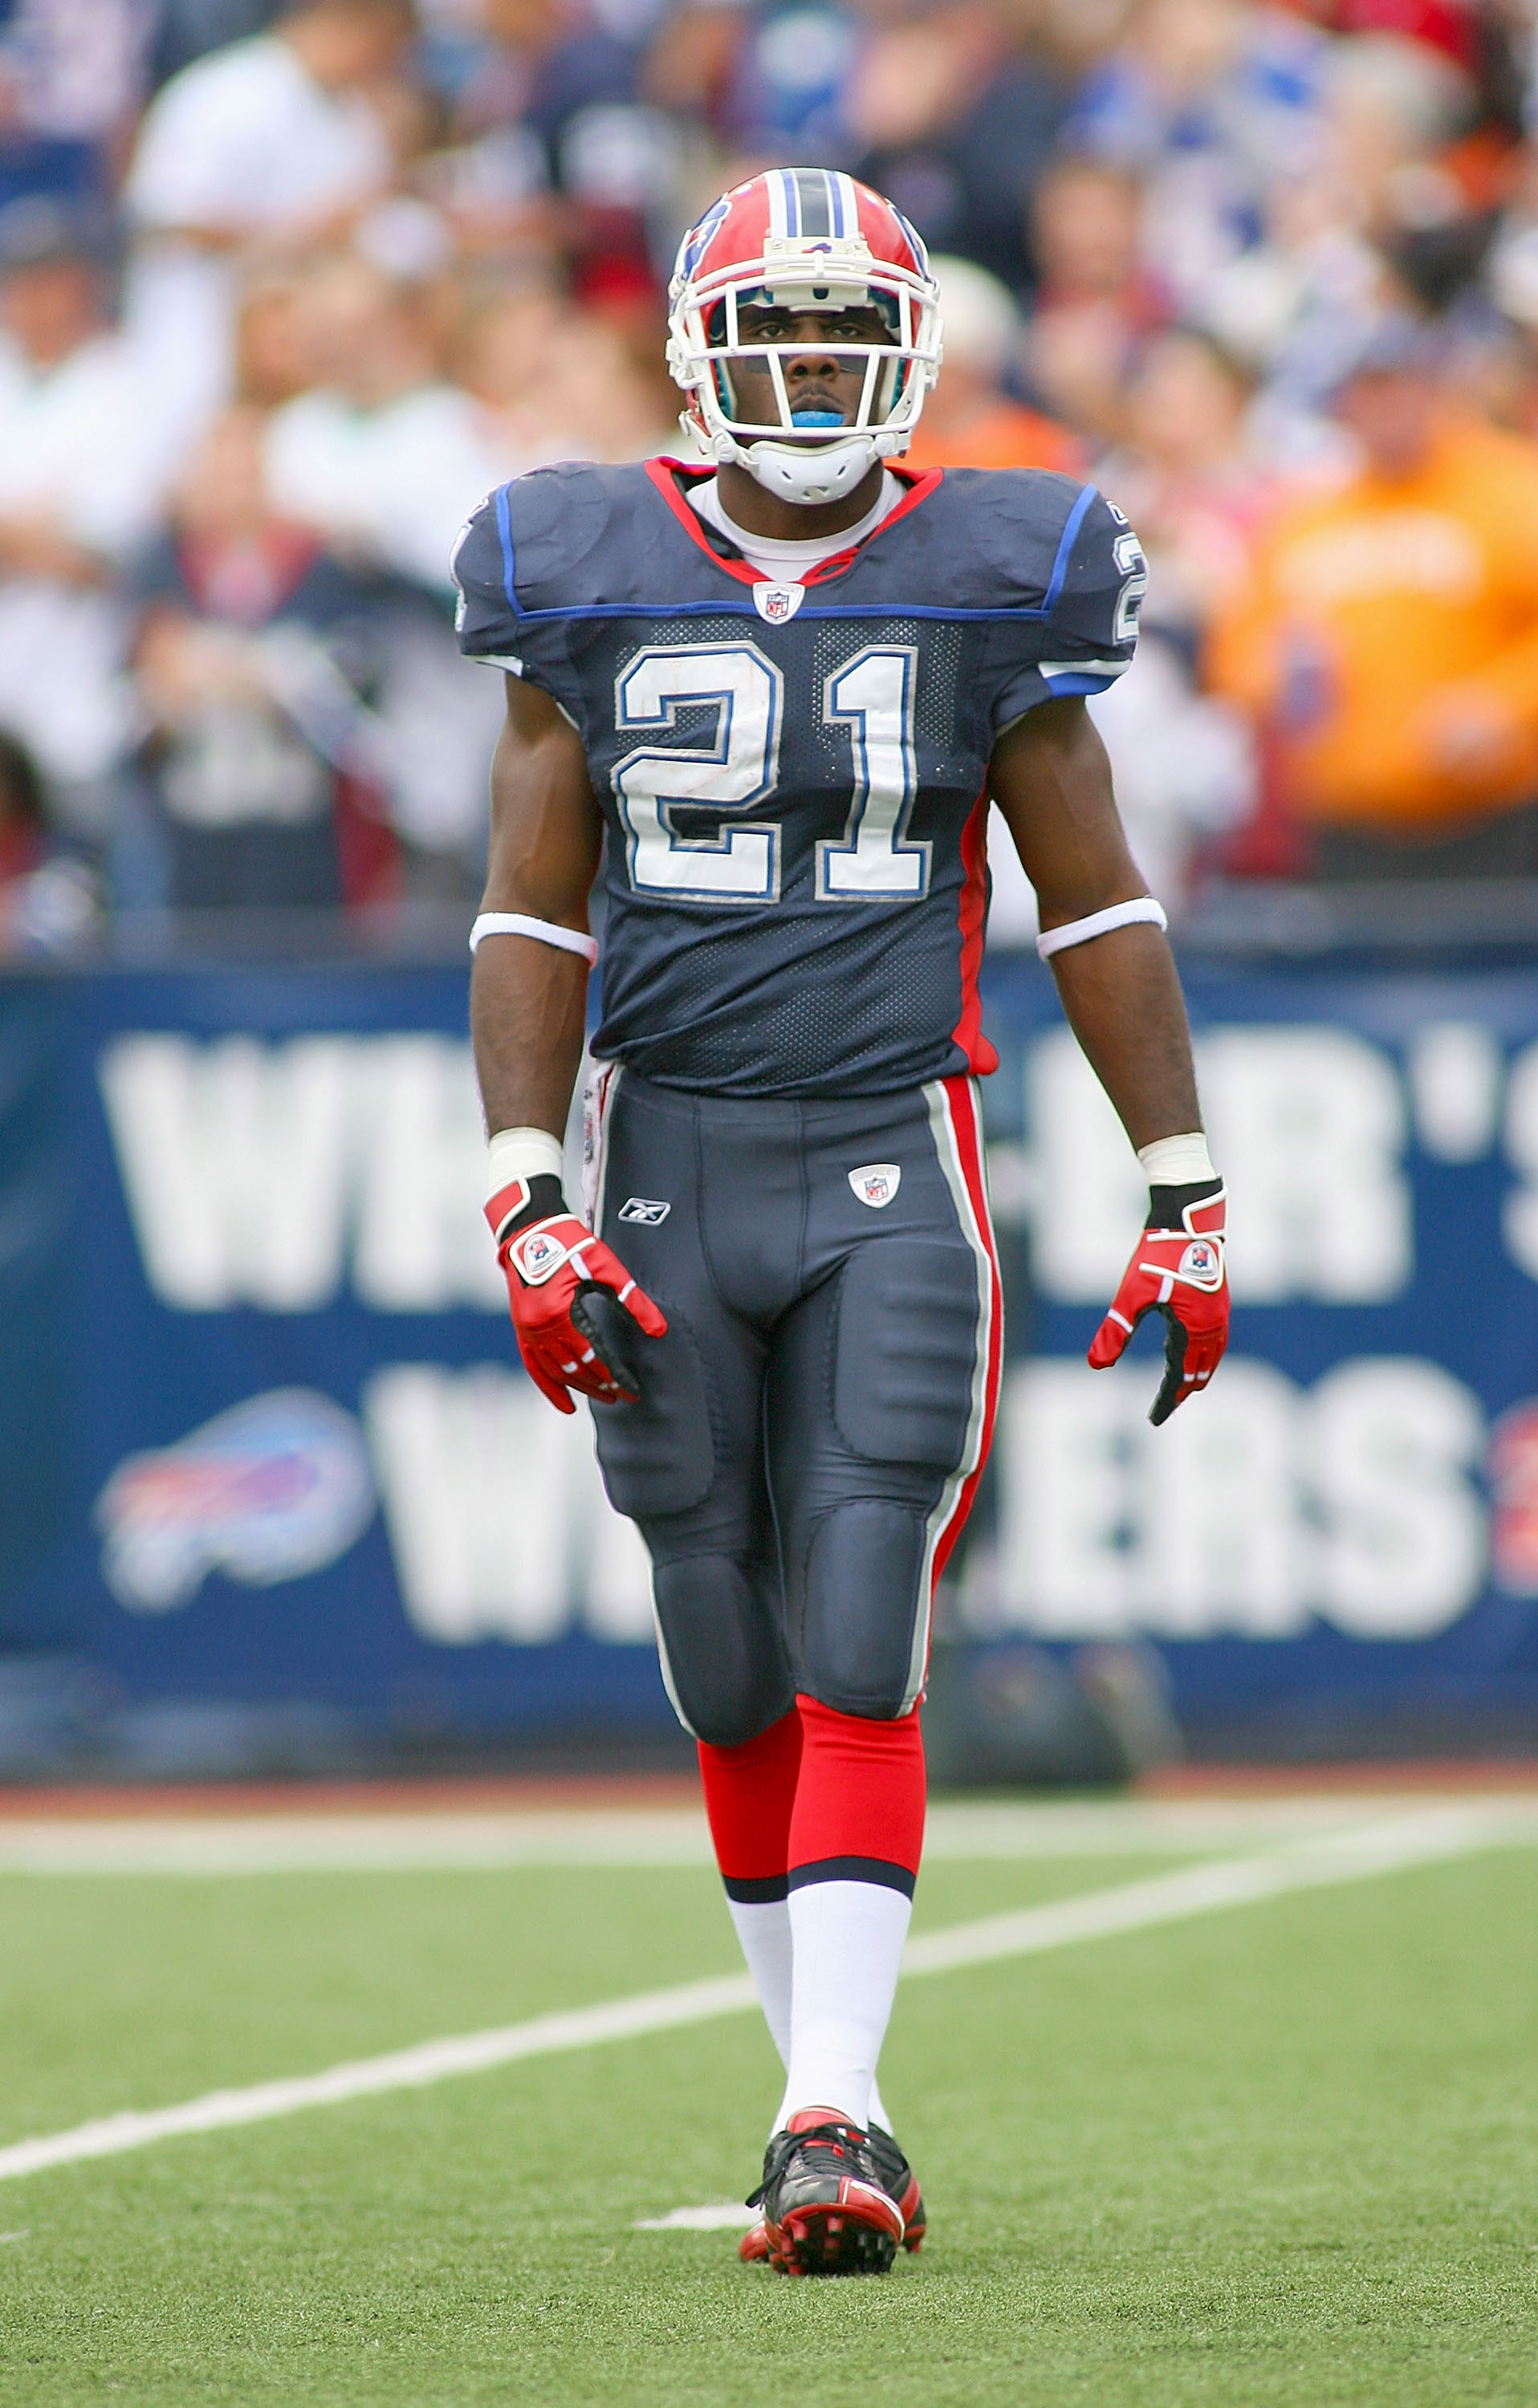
(973, 919)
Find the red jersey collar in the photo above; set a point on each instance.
(663, 472)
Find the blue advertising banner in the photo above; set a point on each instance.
(265, 1446)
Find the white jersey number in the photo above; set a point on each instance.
(737, 769)
(873, 694)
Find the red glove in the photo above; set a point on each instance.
(573, 1302)
(1179, 1272)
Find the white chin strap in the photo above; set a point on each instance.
(805, 472)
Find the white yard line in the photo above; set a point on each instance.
(717, 2215)
(1386, 1845)
(215, 1845)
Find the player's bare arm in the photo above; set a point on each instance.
(528, 998)
(573, 1302)
(1052, 784)
(1121, 993)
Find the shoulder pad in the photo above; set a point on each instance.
(550, 521)
(1007, 525)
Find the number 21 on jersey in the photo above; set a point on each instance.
(871, 694)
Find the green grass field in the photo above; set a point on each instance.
(1282, 2153)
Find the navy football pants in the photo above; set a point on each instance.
(812, 1426)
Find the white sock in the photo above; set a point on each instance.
(847, 1939)
(764, 1932)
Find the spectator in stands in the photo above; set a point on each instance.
(1204, 102)
(969, 420)
(1096, 303)
(84, 461)
(1389, 638)
(282, 134)
(554, 382)
(47, 900)
(275, 346)
(383, 455)
(70, 82)
(1187, 479)
(255, 650)
(955, 124)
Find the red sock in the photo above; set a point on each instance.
(749, 1793)
(859, 1800)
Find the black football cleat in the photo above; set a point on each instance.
(826, 2208)
(898, 2180)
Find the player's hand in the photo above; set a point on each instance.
(1181, 1272)
(575, 1309)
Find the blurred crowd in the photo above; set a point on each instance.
(287, 285)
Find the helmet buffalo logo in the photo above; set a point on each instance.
(278, 1486)
(876, 1183)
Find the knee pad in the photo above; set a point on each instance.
(723, 1657)
(863, 1621)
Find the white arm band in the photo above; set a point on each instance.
(1177, 1161)
(1100, 924)
(545, 932)
(520, 1154)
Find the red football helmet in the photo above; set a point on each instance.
(802, 238)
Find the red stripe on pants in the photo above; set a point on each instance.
(966, 1121)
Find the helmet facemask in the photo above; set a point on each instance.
(742, 408)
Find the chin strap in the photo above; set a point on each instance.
(808, 473)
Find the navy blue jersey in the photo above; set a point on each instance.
(794, 779)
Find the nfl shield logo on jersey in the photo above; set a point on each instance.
(777, 603)
(876, 1183)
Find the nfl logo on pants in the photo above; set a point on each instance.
(876, 1183)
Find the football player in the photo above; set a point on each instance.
(771, 690)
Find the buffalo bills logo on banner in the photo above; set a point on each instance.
(777, 603)
(277, 1487)
(876, 1183)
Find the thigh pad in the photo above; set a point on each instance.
(905, 1349)
(658, 1455)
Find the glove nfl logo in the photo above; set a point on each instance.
(1201, 1261)
(539, 1256)
(876, 1183)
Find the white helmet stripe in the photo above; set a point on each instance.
(846, 206)
(782, 201)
